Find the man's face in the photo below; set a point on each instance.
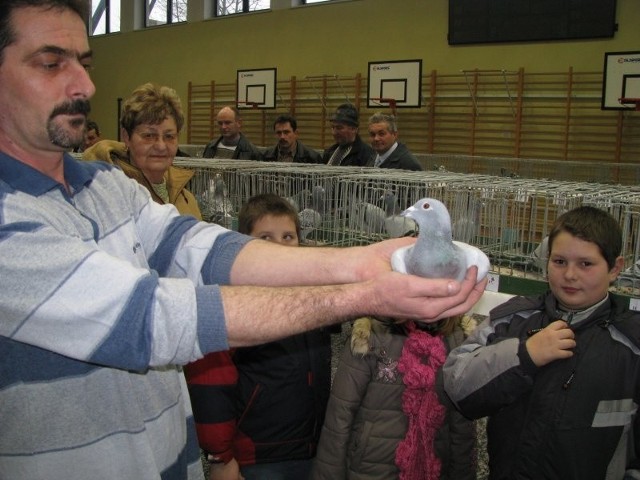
(286, 136)
(381, 138)
(44, 84)
(342, 133)
(91, 138)
(228, 124)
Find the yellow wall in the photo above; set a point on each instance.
(334, 38)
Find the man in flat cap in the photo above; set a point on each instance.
(349, 149)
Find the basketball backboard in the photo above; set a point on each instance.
(395, 84)
(256, 88)
(621, 79)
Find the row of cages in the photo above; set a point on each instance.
(508, 218)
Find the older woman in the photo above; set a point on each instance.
(151, 121)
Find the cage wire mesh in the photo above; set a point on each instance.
(508, 217)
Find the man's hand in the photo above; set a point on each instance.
(553, 342)
(225, 471)
(404, 296)
(376, 258)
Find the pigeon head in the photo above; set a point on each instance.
(219, 186)
(390, 203)
(429, 211)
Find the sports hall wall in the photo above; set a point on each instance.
(333, 38)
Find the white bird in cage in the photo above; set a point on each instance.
(435, 254)
(466, 227)
(311, 217)
(217, 207)
(540, 255)
(396, 225)
(370, 217)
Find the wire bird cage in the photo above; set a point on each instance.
(624, 205)
(508, 217)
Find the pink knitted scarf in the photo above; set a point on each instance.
(422, 356)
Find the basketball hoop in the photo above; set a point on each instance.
(635, 101)
(390, 101)
(242, 104)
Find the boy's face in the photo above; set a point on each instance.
(578, 273)
(276, 228)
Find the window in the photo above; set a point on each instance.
(162, 12)
(229, 7)
(105, 17)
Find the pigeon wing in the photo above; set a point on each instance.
(474, 256)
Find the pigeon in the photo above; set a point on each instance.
(311, 217)
(299, 200)
(396, 225)
(435, 254)
(216, 206)
(540, 255)
(465, 228)
(370, 217)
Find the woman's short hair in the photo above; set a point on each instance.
(151, 103)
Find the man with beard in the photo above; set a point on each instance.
(105, 294)
(289, 147)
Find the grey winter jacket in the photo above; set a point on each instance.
(364, 421)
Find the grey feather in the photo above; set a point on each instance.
(435, 254)
(369, 218)
(466, 227)
(396, 225)
(312, 216)
(216, 205)
(300, 200)
(540, 255)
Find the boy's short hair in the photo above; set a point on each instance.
(265, 204)
(591, 225)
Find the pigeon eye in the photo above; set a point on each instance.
(425, 206)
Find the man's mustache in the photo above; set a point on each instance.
(75, 107)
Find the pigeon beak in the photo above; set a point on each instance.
(408, 212)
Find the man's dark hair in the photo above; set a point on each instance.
(284, 119)
(91, 125)
(591, 225)
(8, 34)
